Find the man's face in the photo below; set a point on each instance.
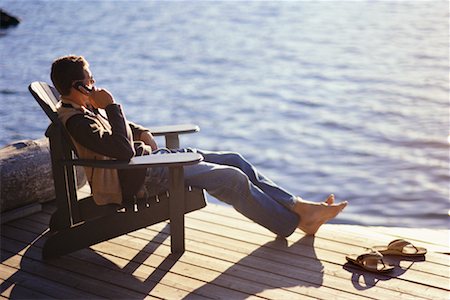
(87, 82)
(81, 94)
(88, 79)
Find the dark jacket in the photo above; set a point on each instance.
(110, 136)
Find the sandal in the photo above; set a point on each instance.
(371, 261)
(401, 247)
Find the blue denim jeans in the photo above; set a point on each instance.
(230, 178)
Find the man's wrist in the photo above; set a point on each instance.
(112, 107)
(109, 104)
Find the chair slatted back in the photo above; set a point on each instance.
(61, 148)
(47, 97)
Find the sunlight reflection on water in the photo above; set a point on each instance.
(347, 97)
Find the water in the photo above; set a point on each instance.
(342, 97)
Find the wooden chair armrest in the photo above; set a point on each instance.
(146, 161)
(174, 129)
(171, 133)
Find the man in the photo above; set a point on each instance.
(224, 175)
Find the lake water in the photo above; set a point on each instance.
(324, 97)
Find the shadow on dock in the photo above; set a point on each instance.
(277, 247)
(78, 270)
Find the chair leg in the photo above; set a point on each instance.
(176, 209)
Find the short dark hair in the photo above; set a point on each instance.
(67, 69)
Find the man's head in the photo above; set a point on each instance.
(68, 69)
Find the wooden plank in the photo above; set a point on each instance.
(37, 283)
(333, 236)
(419, 234)
(205, 274)
(228, 255)
(217, 260)
(414, 273)
(363, 239)
(289, 258)
(437, 240)
(81, 286)
(116, 277)
(185, 282)
(211, 272)
(214, 238)
(43, 217)
(247, 273)
(294, 264)
(359, 249)
(144, 271)
(118, 284)
(20, 212)
(206, 251)
(176, 272)
(239, 234)
(9, 289)
(89, 275)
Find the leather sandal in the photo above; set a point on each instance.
(402, 248)
(370, 261)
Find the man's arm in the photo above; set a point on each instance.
(143, 134)
(101, 98)
(137, 130)
(89, 133)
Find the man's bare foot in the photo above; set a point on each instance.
(313, 215)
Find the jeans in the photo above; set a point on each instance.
(228, 177)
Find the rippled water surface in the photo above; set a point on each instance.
(342, 97)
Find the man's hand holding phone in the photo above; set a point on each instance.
(100, 98)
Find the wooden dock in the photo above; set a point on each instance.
(227, 257)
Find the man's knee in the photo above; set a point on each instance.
(230, 185)
(234, 159)
(233, 178)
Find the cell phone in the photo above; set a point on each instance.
(80, 86)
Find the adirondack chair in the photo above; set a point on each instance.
(78, 222)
